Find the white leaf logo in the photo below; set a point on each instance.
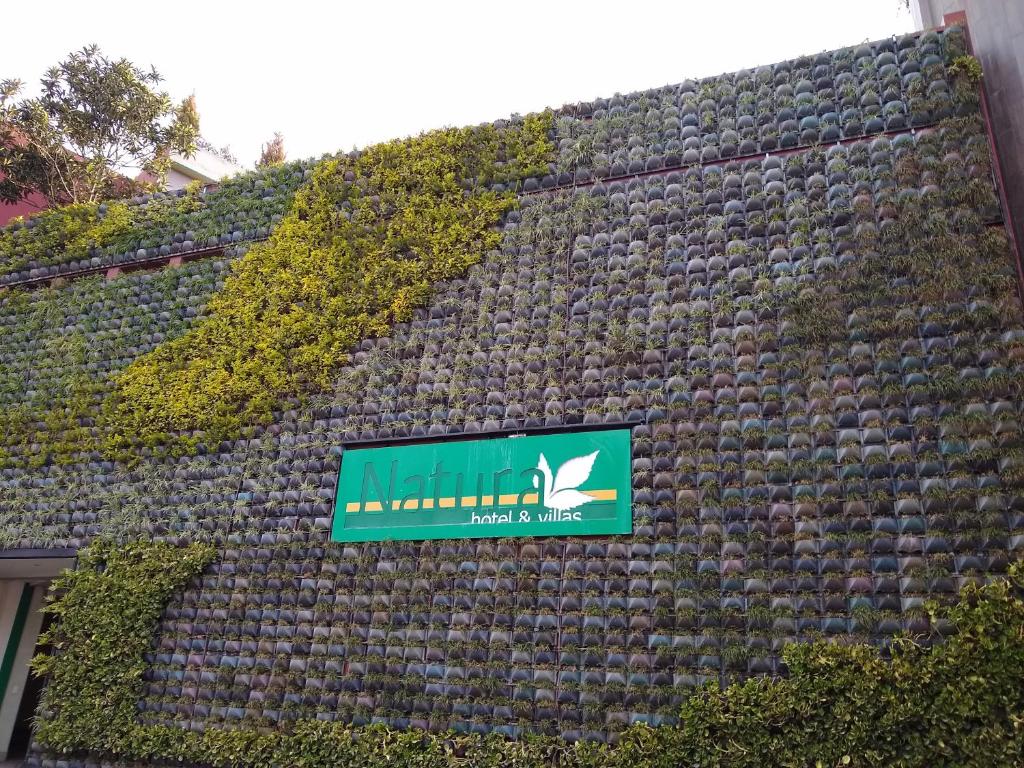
(560, 491)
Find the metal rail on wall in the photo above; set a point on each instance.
(155, 262)
(764, 155)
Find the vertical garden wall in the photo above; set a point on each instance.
(793, 279)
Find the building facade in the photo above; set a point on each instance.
(799, 466)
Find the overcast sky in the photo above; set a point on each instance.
(337, 75)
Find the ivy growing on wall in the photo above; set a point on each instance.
(107, 612)
(193, 217)
(360, 249)
(50, 417)
(70, 231)
(959, 703)
(54, 414)
(408, 227)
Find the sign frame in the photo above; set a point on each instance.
(494, 513)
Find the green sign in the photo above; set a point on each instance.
(565, 484)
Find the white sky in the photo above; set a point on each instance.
(335, 75)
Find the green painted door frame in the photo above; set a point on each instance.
(17, 629)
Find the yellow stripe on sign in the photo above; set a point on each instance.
(371, 506)
(449, 502)
(406, 505)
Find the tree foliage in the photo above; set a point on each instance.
(94, 119)
(272, 152)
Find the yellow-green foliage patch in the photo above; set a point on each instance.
(360, 248)
(70, 230)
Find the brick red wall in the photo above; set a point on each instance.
(27, 207)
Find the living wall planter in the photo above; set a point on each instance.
(784, 489)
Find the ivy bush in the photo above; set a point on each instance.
(245, 205)
(957, 703)
(67, 233)
(106, 614)
(361, 247)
